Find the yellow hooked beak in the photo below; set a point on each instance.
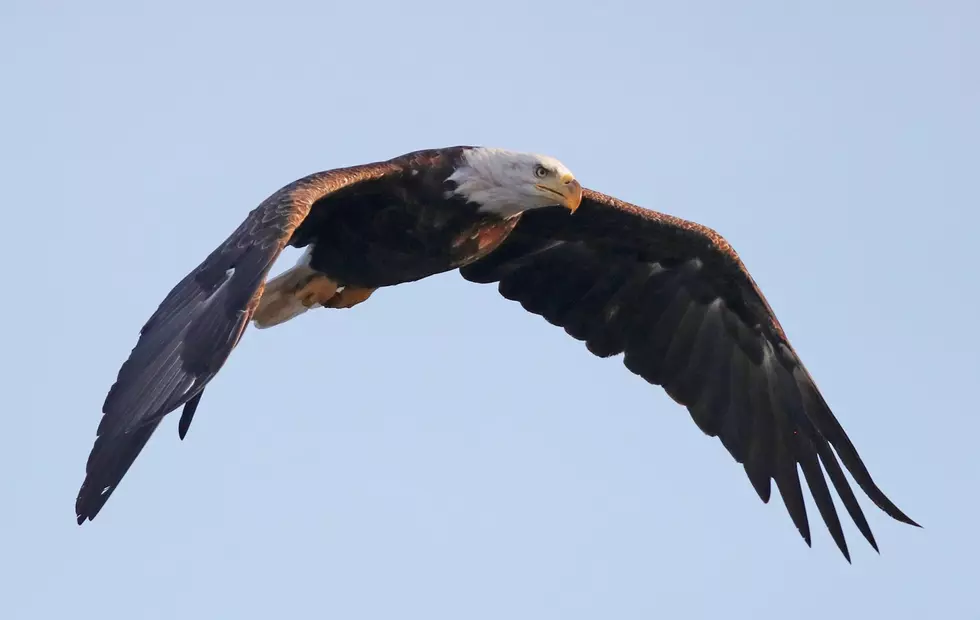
(568, 189)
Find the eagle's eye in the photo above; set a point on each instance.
(540, 171)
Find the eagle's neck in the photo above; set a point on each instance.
(488, 178)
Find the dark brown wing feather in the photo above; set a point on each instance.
(195, 328)
(676, 299)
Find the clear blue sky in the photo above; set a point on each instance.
(438, 452)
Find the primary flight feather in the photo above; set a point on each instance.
(669, 294)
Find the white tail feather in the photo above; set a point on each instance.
(283, 297)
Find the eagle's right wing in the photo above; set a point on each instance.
(189, 337)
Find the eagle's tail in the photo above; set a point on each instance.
(292, 293)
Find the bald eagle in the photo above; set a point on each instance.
(669, 294)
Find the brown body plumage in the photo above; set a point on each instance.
(670, 294)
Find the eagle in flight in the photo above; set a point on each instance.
(669, 294)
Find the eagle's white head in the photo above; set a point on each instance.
(507, 182)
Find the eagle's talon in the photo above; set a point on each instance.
(318, 290)
(349, 297)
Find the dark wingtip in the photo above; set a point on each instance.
(841, 542)
(882, 501)
(88, 503)
(84, 510)
(874, 543)
(901, 517)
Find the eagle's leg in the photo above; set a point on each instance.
(349, 297)
(319, 289)
(291, 294)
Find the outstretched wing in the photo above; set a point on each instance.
(676, 299)
(195, 328)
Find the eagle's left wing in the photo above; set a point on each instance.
(676, 299)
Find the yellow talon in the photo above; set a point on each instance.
(318, 290)
(349, 297)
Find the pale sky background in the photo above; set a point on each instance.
(439, 453)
